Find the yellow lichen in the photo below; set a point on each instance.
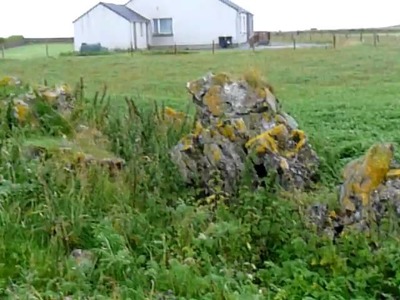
(265, 142)
(8, 81)
(300, 138)
(21, 110)
(240, 125)
(4, 81)
(364, 175)
(198, 129)
(173, 117)
(261, 93)
(216, 153)
(280, 132)
(213, 101)
(393, 173)
(267, 117)
(220, 79)
(194, 87)
(226, 130)
(170, 112)
(186, 143)
(65, 89)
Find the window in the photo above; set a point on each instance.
(162, 26)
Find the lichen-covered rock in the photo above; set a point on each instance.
(60, 97)
(239, 120)
(9, 81)
(25, 106)
(370, 191)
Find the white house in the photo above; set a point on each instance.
(142, 24)
(113, 26)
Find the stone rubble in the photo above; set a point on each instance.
(84, 145)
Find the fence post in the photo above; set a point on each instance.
(47, 50)
(213, 47)
(374, 39)
(361, 37)
(294, 43)
(334, 41)
(175, 49)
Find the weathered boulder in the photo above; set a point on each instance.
(369, 192)
(240, 121)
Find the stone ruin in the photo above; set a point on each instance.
(241, 122)
(240, 126)
(79, 144)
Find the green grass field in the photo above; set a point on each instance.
(147, 232)
(37, 51)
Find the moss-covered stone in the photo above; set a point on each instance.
(370, 191)
(235, 119)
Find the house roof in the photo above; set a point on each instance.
(125, 12)
(235, 6)
(120, 10)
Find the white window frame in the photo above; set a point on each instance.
(158, 21)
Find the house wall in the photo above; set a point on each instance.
(101, 25)
(141, 35)
(195, 22)
(250, 26)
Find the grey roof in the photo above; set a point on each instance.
(120, 10)
(235, 6)
(125, 12)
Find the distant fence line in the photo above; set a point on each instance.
(25, 41)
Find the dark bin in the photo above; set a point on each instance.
(225, 41)
(91, 48)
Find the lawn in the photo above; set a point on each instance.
(146, 229)
(37, 51)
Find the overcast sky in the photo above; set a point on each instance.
(53, 18)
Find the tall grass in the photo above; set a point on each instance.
(150, 237)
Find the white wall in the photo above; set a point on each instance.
(242, 28)
(195, 22)
(101, 25)
(141, 35)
